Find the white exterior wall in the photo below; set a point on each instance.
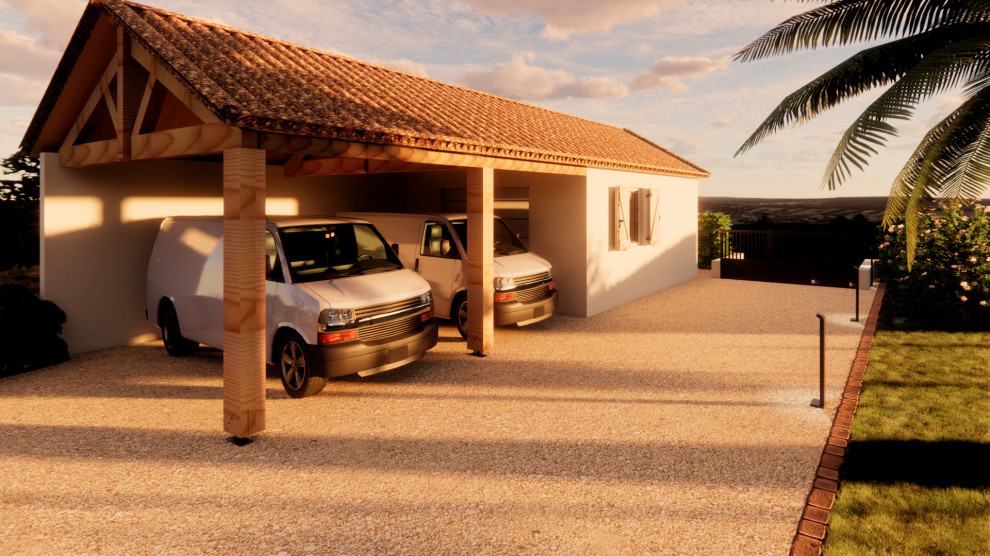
(571, 226)
(98, 225)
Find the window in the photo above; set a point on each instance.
(635, 217)
(651, 204)
(437, 241)
(625, 218)
(273, 266)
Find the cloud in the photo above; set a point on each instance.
(685, 145)
(670, 72)
(27, 56)
(53, 19)
(18, 90)
(407, 66)
(567, 17)
(721, 123)
(516, 79)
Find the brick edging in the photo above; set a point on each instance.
(813, 526)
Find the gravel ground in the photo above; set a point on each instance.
(679, 424)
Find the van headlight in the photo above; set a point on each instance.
(505, 283)
(336, 317)
(426, 299)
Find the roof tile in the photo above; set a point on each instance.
(265, 84)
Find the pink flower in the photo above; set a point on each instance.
(963, 298)
(931, 286)
(965, 285)
(983, 303)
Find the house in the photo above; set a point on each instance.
(151, 113)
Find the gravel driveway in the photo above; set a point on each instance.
(677, 424)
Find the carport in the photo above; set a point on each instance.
(149, 109)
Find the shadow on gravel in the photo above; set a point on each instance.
(927, 464)
(716, 464)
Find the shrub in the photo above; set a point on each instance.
(27, 277)
(710, 226)
(948, 286)
(30, 331)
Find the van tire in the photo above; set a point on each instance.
(294, 367)
(168, 321)
(458, 313)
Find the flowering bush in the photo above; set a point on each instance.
(949, 282)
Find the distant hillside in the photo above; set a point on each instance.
(805, 211)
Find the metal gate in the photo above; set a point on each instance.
(820, 258)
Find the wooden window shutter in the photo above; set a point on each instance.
(651, 200)
(620, 219)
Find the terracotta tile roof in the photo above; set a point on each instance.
(256, 82)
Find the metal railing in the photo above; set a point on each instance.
(767, 245)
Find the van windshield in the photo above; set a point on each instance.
(506, 241)
(326, 251)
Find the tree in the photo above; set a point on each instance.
(27, 184)
(934, 46)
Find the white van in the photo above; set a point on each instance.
(337, 299)
(434, 245)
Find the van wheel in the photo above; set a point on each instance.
(293, 364)
(460, 315)
(175, 344)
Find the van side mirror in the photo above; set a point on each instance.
(395, 247)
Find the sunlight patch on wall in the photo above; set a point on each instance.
(134, 209)
(71, 214)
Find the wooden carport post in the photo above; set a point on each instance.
(243, 291)
(480, 253)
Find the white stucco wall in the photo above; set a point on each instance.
(558, 232)
(98, 226)
(619, 277)
(571, 223)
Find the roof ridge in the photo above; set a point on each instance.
(358, 61)
(266, 84)
(668, 151)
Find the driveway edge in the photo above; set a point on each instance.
(813, 526)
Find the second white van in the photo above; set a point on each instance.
(337, 299)
(434, 246)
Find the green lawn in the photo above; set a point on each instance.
(916, 479)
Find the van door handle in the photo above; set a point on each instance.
(416, 266)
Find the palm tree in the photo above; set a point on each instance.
(934, 46)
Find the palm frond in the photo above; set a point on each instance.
(952, 161)
(872, 68)
(939, 71)
(847, 21)
(955, 150)
(966, 159)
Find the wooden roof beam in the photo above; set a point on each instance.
(182, 92)
(297, 167)
(346, 149)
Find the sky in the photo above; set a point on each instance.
(662, 68)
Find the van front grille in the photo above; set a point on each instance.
(385, 308)
(390, 328)
(532, 294)
(530, 278)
